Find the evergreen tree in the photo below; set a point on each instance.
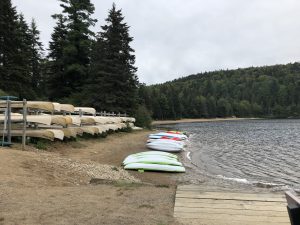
(56, 67)
(8, 44)
(21, 79)
(113, 82)
(78, 43)
(36, 59)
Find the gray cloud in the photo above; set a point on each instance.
(176, 38)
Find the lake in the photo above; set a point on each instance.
(252, 152)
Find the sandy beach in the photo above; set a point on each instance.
(165, 122)
(82, 182)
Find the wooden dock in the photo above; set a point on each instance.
(193, 205)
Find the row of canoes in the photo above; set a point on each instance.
(68, 132)
(49, 120)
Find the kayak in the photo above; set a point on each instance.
(167, 142)
(163, 134)
(150, 159)
(163, 146)
(154, 167)
(156, 153)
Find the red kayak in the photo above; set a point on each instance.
(171, 138)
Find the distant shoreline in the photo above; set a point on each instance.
(165, 122)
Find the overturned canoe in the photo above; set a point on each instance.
(58, 134)
(40, 119)
(87, 110)
(44, 134)
(69, 132)
(67, 108)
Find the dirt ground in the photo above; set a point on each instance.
(83, 182)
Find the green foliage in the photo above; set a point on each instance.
(143, 117)
(70, 48)
(21, 53)
(55, 65)
(112, 85)
(269, 91)
(36, 59)
(40, 144)
(2, 93)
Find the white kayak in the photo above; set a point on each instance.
(150, 159)
(181, 143)
(165, 146)
(163, 134)
(155, 153)
(154, 167)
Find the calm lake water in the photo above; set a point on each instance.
(254, 152)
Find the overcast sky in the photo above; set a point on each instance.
(175, 38)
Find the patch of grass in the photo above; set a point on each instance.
(162, 186)
(161, 223)
(41, 145)
(114, 168)
(147, 206)
(127, 129)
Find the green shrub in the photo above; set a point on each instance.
(143, 117)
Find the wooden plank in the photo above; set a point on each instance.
(231, 212)
(224, 201)
(240, 206)
(271, 195)
(227, 195)
(204, 189)
(229, 217)
(193, 205)
(212, 221)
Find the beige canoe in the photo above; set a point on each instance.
(90, 130)
(40, 119)
(44, 134)
(87, 110)
(67, 108)
(58, 134)
(69, 132)
(85, 120)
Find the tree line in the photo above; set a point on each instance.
(79, 67)
(268, 91)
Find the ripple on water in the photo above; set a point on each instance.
(256, 152)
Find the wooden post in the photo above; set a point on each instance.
(24, 124)
(9, 121)
(293, 207)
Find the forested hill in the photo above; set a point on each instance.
(269, 91)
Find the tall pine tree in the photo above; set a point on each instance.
(77, 46)
(112, 85)
(8, 45)
(56, 67)
(36, 59)
(21, 80)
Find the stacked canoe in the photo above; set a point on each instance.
(161, 159)
(52, 121)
